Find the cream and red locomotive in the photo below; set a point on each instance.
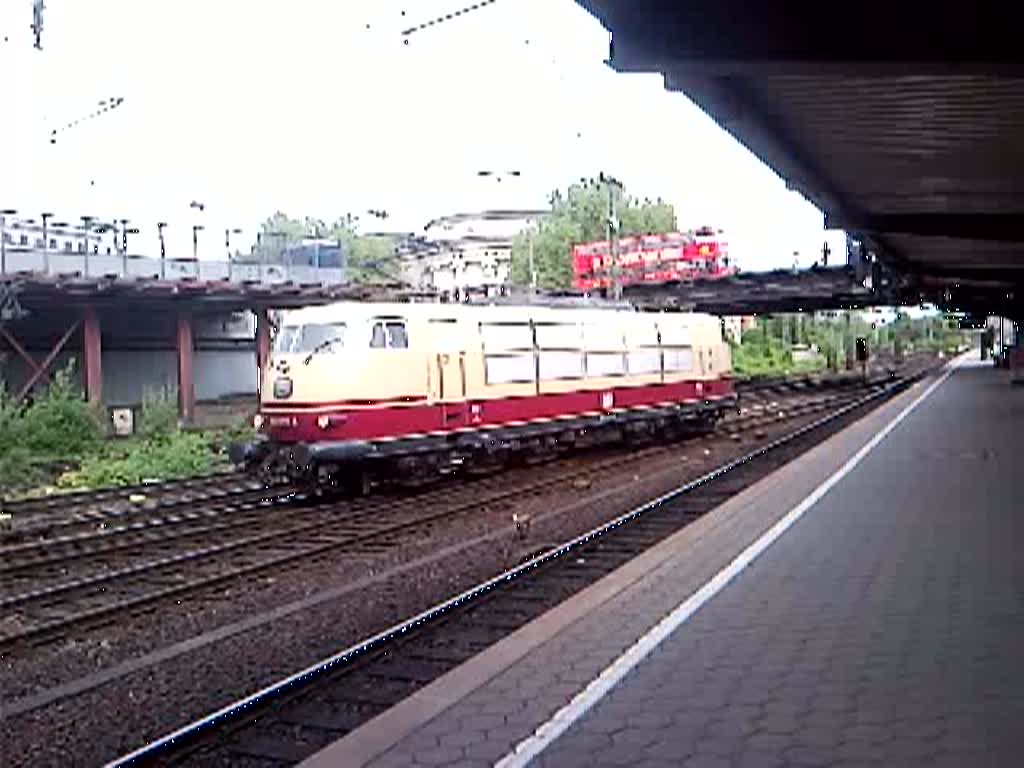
(355, 392)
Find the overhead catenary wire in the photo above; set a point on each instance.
(446, 17)
(102, 107)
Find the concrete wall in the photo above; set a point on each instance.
(139, 353)
(128, 374)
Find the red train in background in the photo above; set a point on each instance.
(652, 258)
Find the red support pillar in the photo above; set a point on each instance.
(186, 379)
(92, 351)
(262, 346)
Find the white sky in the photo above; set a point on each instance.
(316, 107)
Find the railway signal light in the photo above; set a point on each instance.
(862, 349)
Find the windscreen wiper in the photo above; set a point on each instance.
(321, 346)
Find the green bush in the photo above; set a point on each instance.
(178, 454)
(60, 425)
(56, 430)
(159, 417)
(59, 439)
(16, 468)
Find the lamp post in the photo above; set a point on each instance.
(196, 206)
(614, 186)
(533, 268)
(227, 239)
(163, 250)
(125, 233)
(4, 213)
(227, 244)
(46, 243)
(86, 229)
(196, 228)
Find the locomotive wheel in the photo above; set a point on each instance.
(488, 462)
(360, 482)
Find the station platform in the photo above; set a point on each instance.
(864, 605)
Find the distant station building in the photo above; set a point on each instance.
(24, 234)
(466, 255)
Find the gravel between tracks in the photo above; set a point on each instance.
(115, 717)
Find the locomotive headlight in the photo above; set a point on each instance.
(258, 421)
(282, 387)
(323, 421)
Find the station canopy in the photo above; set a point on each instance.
(902, 122)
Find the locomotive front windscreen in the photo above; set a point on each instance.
(296, 339)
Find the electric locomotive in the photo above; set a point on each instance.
(357, 392)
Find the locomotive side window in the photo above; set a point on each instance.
(560, 364)
(397, 337)
(560, 350)
(510, 369)
(643, 361)
(504, 337)
(678, 359)
(643, 356)
(605, 364)
(390, 334)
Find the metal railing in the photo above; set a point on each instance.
(54, 263)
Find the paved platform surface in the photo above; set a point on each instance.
(885, 627)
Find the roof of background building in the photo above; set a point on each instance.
(492, 215)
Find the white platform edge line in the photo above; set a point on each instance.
(532, 746)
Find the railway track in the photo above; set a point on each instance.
(109, 506)
(287, 721)
(134, 566)
(96, 505)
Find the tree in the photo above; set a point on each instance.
(372, 259)
(648, 218)
(580, 215)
